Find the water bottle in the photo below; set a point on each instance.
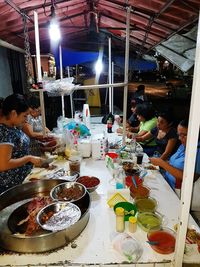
(120, 178)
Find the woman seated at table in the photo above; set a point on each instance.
(195, 201)
(132, 121)
(33, 126)
(174, 168)
(165, 136)
(16, 162)
(146, 116)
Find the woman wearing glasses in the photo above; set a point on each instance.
(174, 167)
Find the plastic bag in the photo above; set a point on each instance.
(80, 127)
(127, 246)
(108, 116)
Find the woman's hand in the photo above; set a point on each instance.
(36, 161)
(139, 138)
(157, 161)
(120, 130)
(130, 135)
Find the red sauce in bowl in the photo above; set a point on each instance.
(139, 192)
(162, 241)
(88, 181)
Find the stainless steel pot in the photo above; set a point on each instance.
(44, 240)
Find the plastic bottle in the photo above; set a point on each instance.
(133, 144)
(120, 178)
(86, 115)
(132, 224)
(120, 224)
(109, 125)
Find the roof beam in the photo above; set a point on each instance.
(10, 3)
(173, 33)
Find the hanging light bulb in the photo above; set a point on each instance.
(54, 31)
(99, 66)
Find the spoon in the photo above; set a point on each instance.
(134, 181)
(152, 242)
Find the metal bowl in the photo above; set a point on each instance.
(68, 191)
(87, 181)
(58, 216)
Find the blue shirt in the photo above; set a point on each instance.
(177, 161)
(20, 143)
(197, 166)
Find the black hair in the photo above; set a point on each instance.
(141, 87)
(145, 110)
(1, 102)
(14, 102)
(184, 123)
(33, 102)
(136, 101)
(168, 116)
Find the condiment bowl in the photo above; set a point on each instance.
(90, 182)
(146, 204)
(69, 191)
(162, 240)
(140, 191)
(149, 220)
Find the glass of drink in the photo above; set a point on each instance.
(139, 156)
(74, 164)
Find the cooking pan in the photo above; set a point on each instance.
(13, 203)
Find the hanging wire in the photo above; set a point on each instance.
(27, 55)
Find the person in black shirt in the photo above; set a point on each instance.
(164, 135)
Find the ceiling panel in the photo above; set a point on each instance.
(87, 24)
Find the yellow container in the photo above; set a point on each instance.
(132, 224)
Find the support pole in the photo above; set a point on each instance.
(109, 74)
(71, 95)
(191, 149)
(37, 44)
(126, 73)
(112, 91)
(61, 77)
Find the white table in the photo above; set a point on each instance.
(94, 245)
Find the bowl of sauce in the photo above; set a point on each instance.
(146, 204)
(149, 220)
(162, 241)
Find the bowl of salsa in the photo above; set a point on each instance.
(90, 182)
(149, 220)
(162, 241)
(146, 204)
(140, 191)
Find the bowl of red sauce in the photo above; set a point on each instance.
(162, 241)
(140, 191)
(129, 180)
(90, 182)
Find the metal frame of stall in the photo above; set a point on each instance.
(194, 123)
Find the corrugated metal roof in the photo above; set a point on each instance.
(86, 24)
